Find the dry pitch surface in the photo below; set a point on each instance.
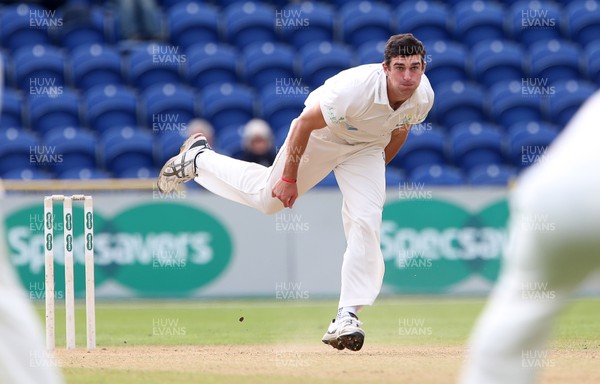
(280, 343)
(298, 364)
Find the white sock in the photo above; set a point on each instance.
(345, 310)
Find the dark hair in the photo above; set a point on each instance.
(403, 44)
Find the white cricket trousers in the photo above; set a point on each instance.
(23, 355)
(554, 244)
(360, 173)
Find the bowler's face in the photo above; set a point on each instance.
(404, 73)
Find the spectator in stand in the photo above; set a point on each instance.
(139, 19)
(257, 143)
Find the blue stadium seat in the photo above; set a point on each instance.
(428, 21)
(192, 23)
(168, 107)
(84, 174)
(421, 147)
(15, 150)
(492, 175)
(81, 26)
(230, 138)
(476, 144)
(533, 21)
(54, 111)
(371, 53)
(268, 64)
(583, 21)
(555, 60)
(306, 22)
(446, 61)
(281, 134)
(93, 65)
(457, 102)
(514, 101)
(110, 106)
(527, 146)
(168, 145)
(593, 61)
(394, 177)
(26, 174)
(140, 173)
(437, 175)
(125, 149)
(364, 22)
(320, 61)
(168, 4)
(211, 64)
(40, 69)
(227, 104)
(76, 148)
(249, 22)
(571, 95)
(155, 63)
(12, 109)
(281, 106)
(497, 60)
(478, 21)
(16, 29)
(328, 181)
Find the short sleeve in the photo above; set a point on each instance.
(338, 101)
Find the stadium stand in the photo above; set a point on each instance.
(266, 64)
(427, 20)
(110, 106)
(497, 60)
(446, 61)
(54, 110)
(227, 104)
(476, 144)
(127, 150)
(211, 63)
(476, 22)
(437, 175)
(422, 147)
(294, 20)
(16, 26)
(321, 60)
(76, 147)
(93, 65)
(496, 65)
(249, 22)
(192, 23)
(15, 150)
(364, 22)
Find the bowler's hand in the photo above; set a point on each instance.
(286, 192)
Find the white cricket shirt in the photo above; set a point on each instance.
(356, 107)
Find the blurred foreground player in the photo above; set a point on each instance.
(554, 245)
(353, 125)
(23, 356)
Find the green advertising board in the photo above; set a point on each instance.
(430, 245)
(152, 249)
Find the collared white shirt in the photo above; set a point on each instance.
(356, 108)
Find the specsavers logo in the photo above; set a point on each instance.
(162, 249)
(432, 245)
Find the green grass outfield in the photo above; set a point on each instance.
(401, 321)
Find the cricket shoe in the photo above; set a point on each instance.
(345, 333)
(182, 167)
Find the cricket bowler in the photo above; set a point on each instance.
(354, 124)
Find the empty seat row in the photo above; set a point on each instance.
(355, 22)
